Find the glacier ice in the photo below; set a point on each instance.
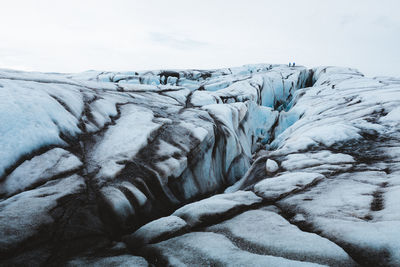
(179, 165)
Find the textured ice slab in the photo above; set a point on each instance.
(343, 210)
(31, 118)
(123, 140)
(266, 232)
(24, 215)
(39, 169)
(156, 230)
(216, 206)
(210, 249)
(277, 187)
(305, 160)
(122, 260)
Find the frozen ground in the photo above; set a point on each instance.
(259, 165)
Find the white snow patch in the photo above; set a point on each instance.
(271, 166)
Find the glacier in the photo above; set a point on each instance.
(258, 165)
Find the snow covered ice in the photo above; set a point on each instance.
(259, 165)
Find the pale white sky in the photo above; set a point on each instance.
(78, 35)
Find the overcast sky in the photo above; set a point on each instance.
(78, 35)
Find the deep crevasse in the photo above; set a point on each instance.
(216, 137)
